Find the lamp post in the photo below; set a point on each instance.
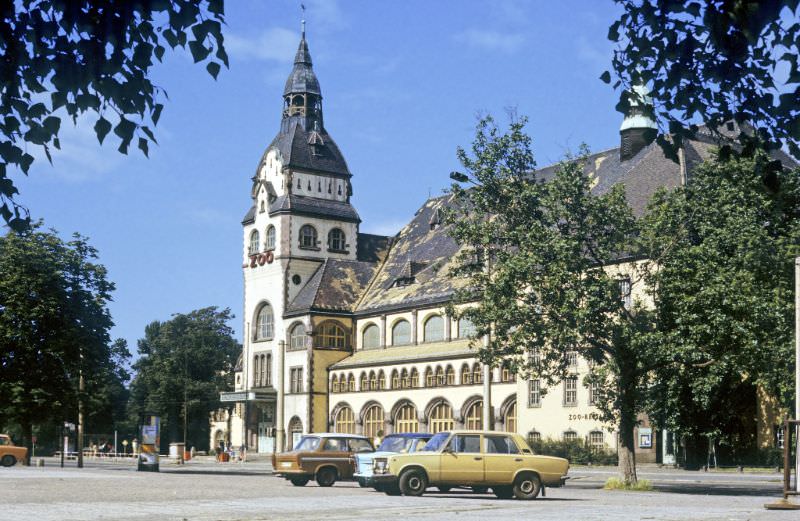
(797, 370)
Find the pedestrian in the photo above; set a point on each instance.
(220, 450)
(242, 453)
(135, 445)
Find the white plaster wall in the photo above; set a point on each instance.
(323, 227)
(315, 180)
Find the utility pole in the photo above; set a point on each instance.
(80, 410)
(185, 407)
(487, 369)
(796, 370)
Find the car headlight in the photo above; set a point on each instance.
(380, 466)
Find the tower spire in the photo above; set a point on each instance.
(303, 22)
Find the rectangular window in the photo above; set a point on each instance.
(534, 393)
(596, 440)
(594, 390)
(625, 292)
(572, 359)
(500, 445)
(571, 391)
(296, 380)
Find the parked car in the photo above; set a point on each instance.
(400, 443)
(326, 457)
(500, 460)
(10, 454)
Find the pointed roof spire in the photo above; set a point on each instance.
(302, 79)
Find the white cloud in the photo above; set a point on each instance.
(274, 44)
(491, 40)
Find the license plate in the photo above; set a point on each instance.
(285, 464)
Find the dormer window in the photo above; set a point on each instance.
(308, 237)
(404, 281)
(261, 208)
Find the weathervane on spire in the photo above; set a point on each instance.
(303, 21)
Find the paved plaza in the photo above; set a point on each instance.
(206, 490)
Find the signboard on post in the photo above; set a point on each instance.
(151, 439)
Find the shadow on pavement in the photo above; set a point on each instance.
(716, 490)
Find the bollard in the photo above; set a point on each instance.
(40, 462)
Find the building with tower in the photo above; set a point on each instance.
(347, 332)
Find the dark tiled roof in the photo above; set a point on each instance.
(335, 286)
(293, 143)
(250, 216)
(300, 204)
(372, 248)
(302, 79)
(421, 250)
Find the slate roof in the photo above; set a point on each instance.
(302, 79)
(335, 286)
(422, 251)
(300, 204)
(293, 142)
(372, 248)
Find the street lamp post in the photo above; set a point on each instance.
(797, 370)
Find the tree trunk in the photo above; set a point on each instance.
(696, 448)
(627, 419)
(27, 439)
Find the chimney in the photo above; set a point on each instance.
(639, 127)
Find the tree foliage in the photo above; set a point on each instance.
(54, 323)
(713, 61)
(538, 254)
(65, 59)
(190, 355)
(722, 251)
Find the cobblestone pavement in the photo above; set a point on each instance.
(205, 490)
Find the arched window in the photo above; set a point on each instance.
(430, 378)
(253, 249)
(510, 419)
(264, 322)
(401, 333)
(440, 379)
(295, 427)
(335, 384)
(269, 239)
(466, 375)
(256, 370)
(596, 440)
(477, 374)
(370, 337)
(414, 378)
(406, 380)
(336, 240)
(450, 375)
(466, 328)
(441, 418)
(405, 420)
(373, 421)
(381, 380)
(351, 383)
(395, 379)
(434, 329)
(505, 373)
(266, 370)
(570, 436)
(331, 335)
(473, 420)
(373, 381)
(345, 422)
(364, 382)
(308, 236)
(297, 336)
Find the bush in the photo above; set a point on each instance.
(642, 485)
(578, 452)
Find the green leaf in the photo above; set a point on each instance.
(199, 52)
(156, 115)
(143, 146)
(605, 77)
(213, 69)
(102, 127)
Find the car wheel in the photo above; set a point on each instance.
(413, 483)
(391, 490)
(503, 492)
(444, 488)
(299, 482)
(527, 486)
(8, 461)
(326, 477)
(362, 482)
(480, 490)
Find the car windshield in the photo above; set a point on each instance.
(307, 443)
(396, 444)
(437, 442)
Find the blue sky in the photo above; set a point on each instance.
(403, 83)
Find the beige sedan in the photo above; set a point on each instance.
(477, 459)
(10, 454)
